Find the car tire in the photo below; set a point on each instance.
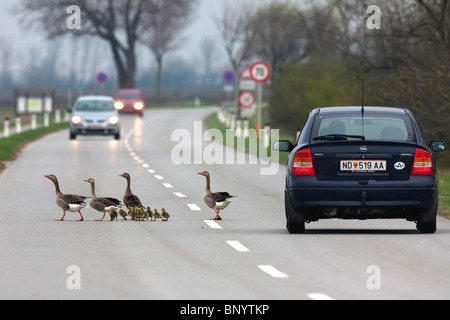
(117, 136)
(295, 222)
(427, 221)
(72, 136)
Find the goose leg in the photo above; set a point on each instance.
(104, 213)
(82, 219)
(217, 215)
(62, 219)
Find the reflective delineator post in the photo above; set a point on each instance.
(18, 124)
(33, 121)
(6, 128)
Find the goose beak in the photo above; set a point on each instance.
(200, 173)
(87, 180)
(47, 175)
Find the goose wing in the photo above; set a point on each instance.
(220, 196)
(132, 201)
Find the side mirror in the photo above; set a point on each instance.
(283, 146)
(437, 146)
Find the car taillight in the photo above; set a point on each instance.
(303, 164)
(423, 164)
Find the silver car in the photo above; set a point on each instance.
(95, 115)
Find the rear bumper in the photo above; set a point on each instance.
(354, 200)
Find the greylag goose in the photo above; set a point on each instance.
(67, 202)
(215, 200)
(129, 199)
(102, 204)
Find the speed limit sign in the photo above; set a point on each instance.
(260, 72)
(247, 99)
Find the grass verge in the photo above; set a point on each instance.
(444, 193)
(214, 123)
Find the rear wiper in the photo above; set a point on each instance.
(335, 137)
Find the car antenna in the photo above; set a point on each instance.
(362, 107)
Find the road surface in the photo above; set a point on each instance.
(248, 255)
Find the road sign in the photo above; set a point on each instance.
(247, 99)
(228, 76)
(102, 77)
(260, 72)
(245, 74)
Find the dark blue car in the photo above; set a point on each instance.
(361, 163)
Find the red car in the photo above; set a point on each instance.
(130, 100)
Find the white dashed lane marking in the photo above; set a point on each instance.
(194, 207)
(179, 195)
(272, 271)
(319, 296)
(236, 245)
(212, 224)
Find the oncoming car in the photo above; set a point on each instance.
(95, 115)
(130, 101)
(361, 163)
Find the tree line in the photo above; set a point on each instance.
(319, 51)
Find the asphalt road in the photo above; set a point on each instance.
(248, 255)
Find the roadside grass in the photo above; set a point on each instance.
(444, 193)
(213, 122)
(11, 146)
(444, 175)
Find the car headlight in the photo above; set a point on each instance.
(76, 120)
(113, 120)
(118, 105)
(138, 106)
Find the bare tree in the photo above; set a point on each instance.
(207, 50)
(234, 26)
(163, 29)
(117, 22)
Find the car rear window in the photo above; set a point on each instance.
(133, 96)
(95, 105)
(375, 127)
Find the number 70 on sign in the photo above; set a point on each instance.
(260, 72)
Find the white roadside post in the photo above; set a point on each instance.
(33, 121)
(18, 124)
(6, 128)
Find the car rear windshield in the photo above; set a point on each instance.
(95, 105)
(131, 96)
(371, 127)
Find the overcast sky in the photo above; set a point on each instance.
(22, 42)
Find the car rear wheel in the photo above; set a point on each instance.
(427, 220)
(295, 222)
(72, 136)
